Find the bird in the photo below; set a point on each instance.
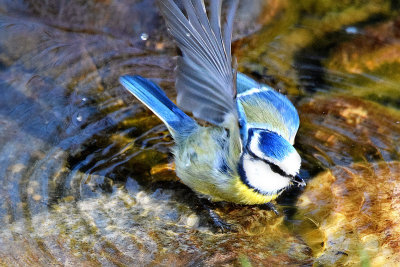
(244, 154)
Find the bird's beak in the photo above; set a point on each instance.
(297, 180)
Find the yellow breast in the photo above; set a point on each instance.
(237, 192)
(247, 195)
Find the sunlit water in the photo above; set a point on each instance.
(86, 177)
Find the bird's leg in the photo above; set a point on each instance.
(269, 206)
(216, 219)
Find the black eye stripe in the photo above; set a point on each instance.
(275, 168)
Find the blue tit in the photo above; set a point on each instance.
(246, 156)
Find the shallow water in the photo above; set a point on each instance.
(86, 177)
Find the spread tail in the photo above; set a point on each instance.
(154, 98)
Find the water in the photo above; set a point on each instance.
(85, 170)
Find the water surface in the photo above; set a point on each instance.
(86, 177)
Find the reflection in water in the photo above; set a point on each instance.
(85, 170)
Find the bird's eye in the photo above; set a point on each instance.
(276, 168)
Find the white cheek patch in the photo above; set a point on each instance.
(260, 176)
(290, 164)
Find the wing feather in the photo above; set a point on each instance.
(229, 26)
(215, 19)
(205, 79)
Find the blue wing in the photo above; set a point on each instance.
(260, 106)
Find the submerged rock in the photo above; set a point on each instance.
(350, 215)
(373, 47)
(282, 50)
(132, 226)
(340, 130)
(368, 65)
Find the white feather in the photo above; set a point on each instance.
(260, 176)
(291, 164)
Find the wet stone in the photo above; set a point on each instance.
(374, 47)
(339, 130)
(368, 64)
(350, 215)
(282, 52)
(122, 228)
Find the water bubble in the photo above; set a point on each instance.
(188, 34)
(79, 118)
(351, 30)
(84, 99)
(144, 36)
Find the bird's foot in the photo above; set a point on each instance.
(270, 206)
(218, 222)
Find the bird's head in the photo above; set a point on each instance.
(269, 163)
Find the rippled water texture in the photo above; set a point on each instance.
(86, 177)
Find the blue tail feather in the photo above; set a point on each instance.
(156, 100)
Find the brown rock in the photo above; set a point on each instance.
(374, 47)
(339, 130)
(351, 215)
